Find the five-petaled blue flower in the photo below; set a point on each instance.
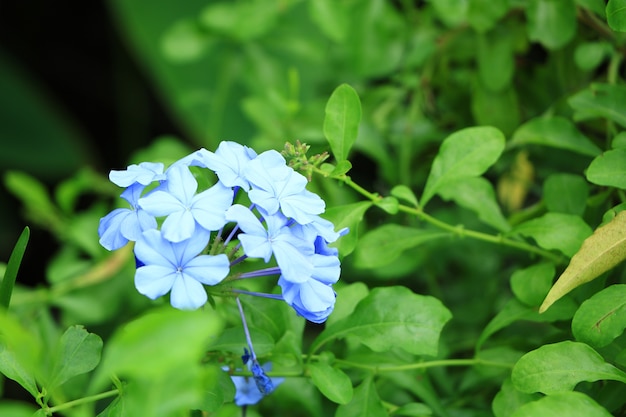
(184, 208)
(177, 267)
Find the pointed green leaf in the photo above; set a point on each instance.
(601, 100)
(20, 353)
(602, 318)
(508, 399)
(391, 317)
(365, 402)
(530, 285)
(350, 216)
(10, 273)
(556, 132)
(78, 353)
(385, 244)
(332, 382)
(402, 192)
(564, 232)
(609, 169)
(616, 15)
(234, 340)
(560, 367)
(388, 204)
(600, 252)
(341, 124)
(514, 311)
(476, 194)
(570, 404)
(551, 22)
(466, 153)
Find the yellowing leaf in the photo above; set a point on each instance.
(600, 252)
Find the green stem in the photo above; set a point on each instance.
(85, 400)
(457, 230)
(422, 365)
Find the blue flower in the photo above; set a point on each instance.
(229, 162)
(177, 267)
(291, 252)
(312, 299)
(184, 208)
(144, 174)
(277, 186)
(123, 224)
(250, 391)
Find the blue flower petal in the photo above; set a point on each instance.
(109, 229)
(154, 281)
(187, 293)
(144, 174)
(178, 226)
(208, 269)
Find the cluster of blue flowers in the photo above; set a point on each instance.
(179, 232)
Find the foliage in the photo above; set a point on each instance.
(476, 155)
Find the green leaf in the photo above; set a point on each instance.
(476, 194)
(571, 404)
(619, 141)
(388, 204)
(496, 63)
(10, 273)
(234, 340)
(348, 296)
(350, 216)
(392, 317)
(16, 409)
(35, 198)
(365, 402)
(332, 382)
(601, 318)
(78, 352)
(341, 123)
(609, 169)
(466, 153)
(184, 42)
(386, 243)
(600, 252)
(243, 21)
(530, 285)
(20, 353)
(560, 367)
(616, 15)
(413, 410)
(566, 193)
(402, 192)
(508, 399)
(564, 232)
(557, 132)
(499, 109)
(484, 14)
(158, 342)
(589, 55)
(332, 17)
(551, 22)
(600, 101)
(514, 311)
(341, 168)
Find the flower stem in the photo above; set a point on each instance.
(85, 400)
(457, 230)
